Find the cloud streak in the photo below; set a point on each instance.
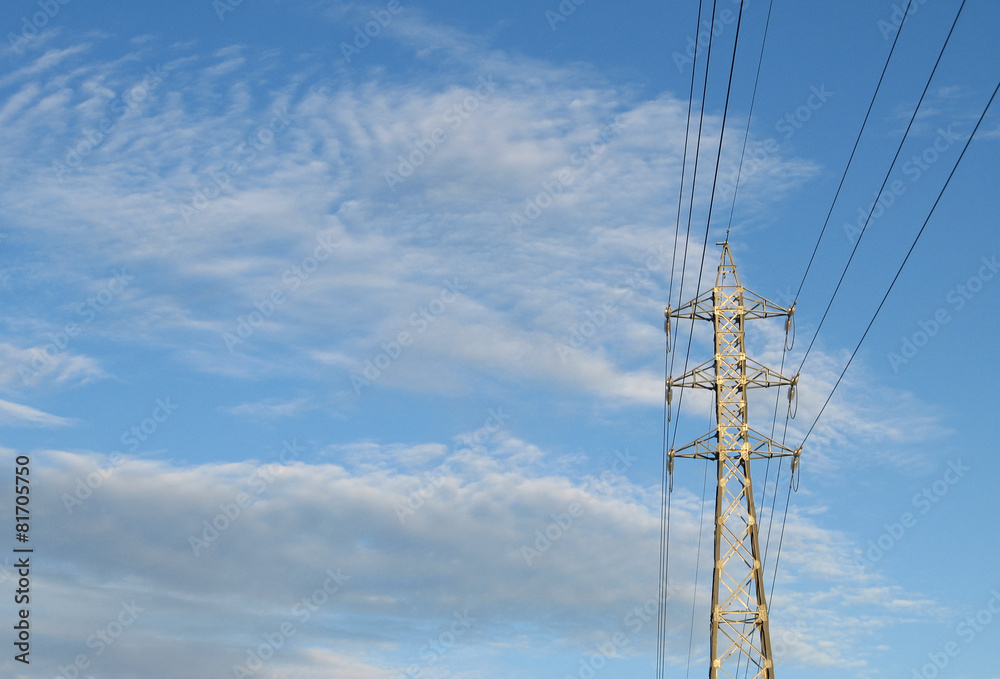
(463, 548)
(451, 218)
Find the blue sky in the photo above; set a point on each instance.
(384, 308)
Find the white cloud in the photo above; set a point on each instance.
(50, 59)
(528, 290)
(21, 415)
(270, 408)
(526, 293)
(411, 560)
(43, 364)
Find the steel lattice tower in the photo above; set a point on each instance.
(740, 636)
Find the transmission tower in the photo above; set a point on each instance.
(740, 638)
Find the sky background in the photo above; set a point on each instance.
(230, 299)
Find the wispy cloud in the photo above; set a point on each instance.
(270, 408)
(452, 219)
(21, 415)
(45, 363)
(182, 537)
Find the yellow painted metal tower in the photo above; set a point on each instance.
(740, 637)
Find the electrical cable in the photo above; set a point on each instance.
(708, 222)
(687, 136)
(722, 133)
(663, 572)
(872, 321)
(784, 516)
(669, 362)
(701, 267)
(853, 151)
(664, 567)
(892, 284)
(694, 182)
(746, 134)
(898, 272)
(884, 182)
(697, 568)
(905, 259)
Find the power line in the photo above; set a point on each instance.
(853, 151)
(687, 136)
(694, 182)
(857, 243)
(884, 298)
(905, 259)
(753, 101)
(687, 240)
(708, 222)
(664, 569)
(704, 250)
(884, 182)
(784, 518)
(670, 360)
(697, 568)
(722, 133)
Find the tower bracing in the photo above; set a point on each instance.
(740, 639)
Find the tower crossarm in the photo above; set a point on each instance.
(749, 375)
(758, 446)
(760, 376)
(701, 308)
(699, 377)
(702, 448)
(752, 306)
(756, 306)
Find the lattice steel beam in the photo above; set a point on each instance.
(740, 633)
